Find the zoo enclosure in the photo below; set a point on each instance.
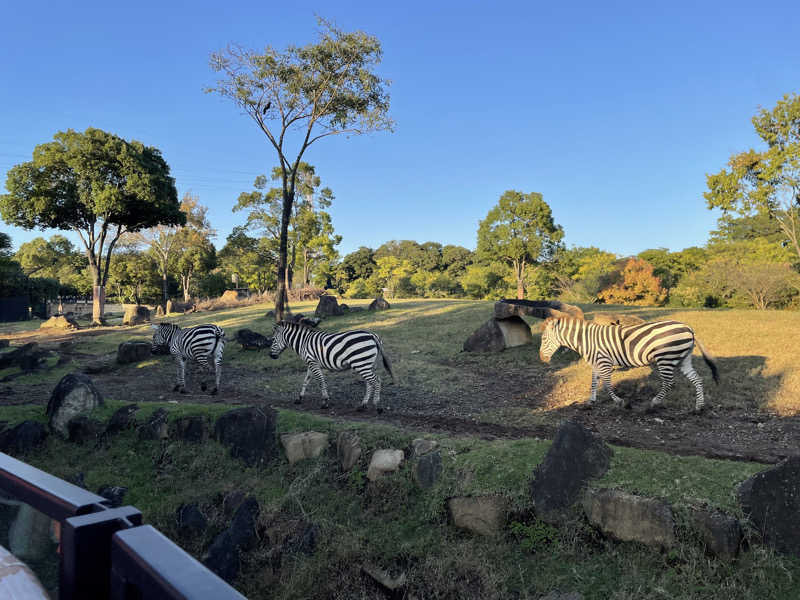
(107, 552)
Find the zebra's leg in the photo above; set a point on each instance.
(306, 380)
(181, 385)
(204, 367)
(593, 396)
(377, 387)
(688, 369)
(666, 373)
(604, 372)
(365, 401)
(317, 370)
(217, 364)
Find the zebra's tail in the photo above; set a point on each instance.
(709, 360)
(386, 363)
(218, 335)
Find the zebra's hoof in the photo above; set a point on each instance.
(214, 392)
(298, 400)
(699, 410)
(379, 410)
(361, 408)
(183, 391)
(654, 408)
(203, 386)
(177, 388)
(324, 405)
(586, 406)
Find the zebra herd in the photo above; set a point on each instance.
(666, 344)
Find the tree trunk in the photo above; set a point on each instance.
(98, 303)
(186, 281)
(306, 274)
(164, 288)
(281, 295)
(519, 272)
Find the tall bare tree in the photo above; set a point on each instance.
(303, 94)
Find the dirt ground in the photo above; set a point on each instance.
(508, 404)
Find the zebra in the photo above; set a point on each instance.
(357, 350)
(668, 344)
(203, 343)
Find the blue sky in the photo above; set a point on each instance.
(614, 111)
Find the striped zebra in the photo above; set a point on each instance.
(203, 344)
(668, 344)
(358, 350)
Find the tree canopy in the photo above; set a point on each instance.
(519, 231)
(96, 184)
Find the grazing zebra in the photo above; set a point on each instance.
(357, 350)
(203, 343)
(668, 344)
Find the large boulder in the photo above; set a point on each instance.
(115, 494)
(249, 433)
(83, 429)
(484, 515)
(28, 357)
(190, 520)
(122, 419)
(348, 449)
(133, 351)
(136, 315)
(504, 309)
(22, 438)
(575, 456)
(300, 446)
(59, 322)
(721, 534)
(223, 554)
(771, 500)
(604, 318)
(384, 461)
(427, 469)
(155, 427)
(498, 334)
(631, 518)
(232, 296)
(74, 395)
(379, 304)
(328, 307)
(252, 340)
(191, 428)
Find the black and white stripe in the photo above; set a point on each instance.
(203, 344)
(668, 344)
(358, 350)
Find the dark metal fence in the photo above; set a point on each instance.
(107, 552)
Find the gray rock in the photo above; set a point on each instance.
(771, 500)
(631, 518)
(223, 554)
(159, 311)
(484, 515)
(348, 449)
(190, 521)
(132, 352)
(420, 446)
(427, 469)
(29, 535)
(136, 315)
(384, 461)
(74, 395)
(252, 340)
(575, 457)
(328, 307)
(155, 428)
(22, 438)
(122, 419)
(113, 493)
(249, 433)
(541, 309)
(192, 428)
(379, 304)
(104, 364)
(720, 533)
(170, 307)
(28, 357)
(300, 446)
(83, 429)
(498, 334)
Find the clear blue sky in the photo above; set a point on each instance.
(614, 111)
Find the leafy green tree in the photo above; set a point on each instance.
(456, 259)
(96, 184)
(581, 272)
(520, 232)
(486, 281)
(195, 254)
(358, 265)
(12, 277)
(251, 260)
(56, 258)
(301, 95)
(134, 276)
(310, 234)
(393, 275)
(766, 183)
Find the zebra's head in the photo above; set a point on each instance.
(278, 340)
(162, 335)
(551, 341)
